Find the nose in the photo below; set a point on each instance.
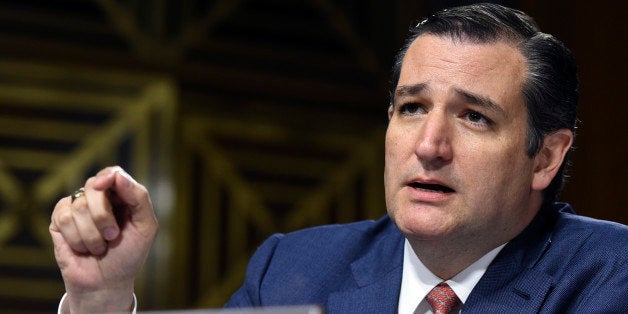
(433, 147)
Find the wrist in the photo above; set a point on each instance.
(115, 300)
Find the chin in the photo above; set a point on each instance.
(421, 225)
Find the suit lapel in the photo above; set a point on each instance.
(378, 297)
(511, 283)
(524, 292)
(377, 276)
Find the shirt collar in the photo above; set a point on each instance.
(417, 280)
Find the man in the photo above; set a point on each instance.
(481, 121)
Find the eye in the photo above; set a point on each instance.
(410, 108)
(477, 118)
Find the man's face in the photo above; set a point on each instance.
(456, 163)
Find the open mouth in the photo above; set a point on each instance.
(431, 187)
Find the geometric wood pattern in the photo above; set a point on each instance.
(241, 182)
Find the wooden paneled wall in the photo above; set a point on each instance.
(597, 33)
(243, 118)
(59, 125)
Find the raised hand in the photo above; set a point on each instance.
(101, 240)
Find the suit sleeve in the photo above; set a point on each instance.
(249, 294)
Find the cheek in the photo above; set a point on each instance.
(492, 165)
(394, 146)
(389, 153)
(397, 155)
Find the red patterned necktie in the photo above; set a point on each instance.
(443, 300)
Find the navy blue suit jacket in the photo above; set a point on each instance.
(560, 263)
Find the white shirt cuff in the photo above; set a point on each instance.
(66, 294)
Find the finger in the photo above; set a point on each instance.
(87, 229)
(108, 170)
(127, 189)
(62, 222)
(129, 194)
(101, 211)
(105, 178)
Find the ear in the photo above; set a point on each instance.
(548, 160)
(391, 110)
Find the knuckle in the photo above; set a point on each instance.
(59, 207)
(64, 218)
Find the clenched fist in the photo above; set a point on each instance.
(101, 239)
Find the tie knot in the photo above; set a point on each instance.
(443, 299)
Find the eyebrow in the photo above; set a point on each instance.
(410, 90)
(480, 100)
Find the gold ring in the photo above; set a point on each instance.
(78, 193)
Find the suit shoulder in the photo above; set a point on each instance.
(303, 267)
(337, 238)
(367, 227)
(595, 234)
(588, 260)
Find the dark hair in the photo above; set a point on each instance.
(551, 86)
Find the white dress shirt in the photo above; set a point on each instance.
(417, 281)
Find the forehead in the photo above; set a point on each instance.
(496, 70)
